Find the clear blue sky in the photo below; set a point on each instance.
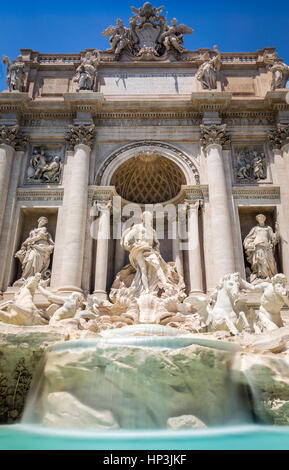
(67, 26)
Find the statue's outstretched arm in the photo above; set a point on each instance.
(53, 298)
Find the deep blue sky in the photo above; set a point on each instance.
(67, 26)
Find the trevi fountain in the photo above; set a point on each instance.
(144, 243)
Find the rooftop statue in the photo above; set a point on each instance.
(280, 71)
(15, 73)
(207, 72)
(86, 72)
(149, 36)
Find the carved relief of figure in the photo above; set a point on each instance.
(251, 165)
(35, 252)
(173, 36)
(140, 240)
(15, 73)
(44, 169)
(22, 310)
(259, 245)
(275, 296)
(86, 72)
(207, 72)
(51, 172)
(119, 37)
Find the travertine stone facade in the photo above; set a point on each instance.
(66, 146)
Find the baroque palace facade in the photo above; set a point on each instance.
(151, 122)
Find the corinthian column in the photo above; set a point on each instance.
(101, 261)
(279, 142)
(194, 249)
(213, 139)
(8, 142)
(74, 216)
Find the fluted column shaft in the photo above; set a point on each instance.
(214, 138)
(194, 248)
(178, 255)
(6, 160)
(75, 206)
(101, 261)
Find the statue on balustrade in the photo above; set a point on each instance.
(280, 71)
(119, 37)
(15, 73)
(207, 72)
(86, 72)
(35, 253)
(259, 246)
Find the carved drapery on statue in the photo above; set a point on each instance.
(35, 253)
(15, 73)
(260, 245)
(280, 71)
(86, 72)
(207, 72)
(149, 36)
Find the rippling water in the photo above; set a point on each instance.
(30, 437)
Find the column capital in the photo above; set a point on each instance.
(193, 204)
(80, 134)
(103, 206)
(9, 135)
(278, 137)
(214, 134)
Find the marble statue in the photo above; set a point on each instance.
(35, 252)
(149, 37)
(207, 72)
(225, 309)
(61, 308)
(173, 37)
(280, 74)
(15, 73)
(141, 242)
(274, 296)
(86, 72)
(44, 169)
(251, 165)
(259, 246)
(22, 310)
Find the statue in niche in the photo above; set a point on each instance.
(44, 169)
(207, 72)
(35, 252)
(251, 165)
(140, 240)
(173, 37)
(280, 71)
(15, 73)
(86, 72)
(22, 310)
(259, 246)
(275, 296)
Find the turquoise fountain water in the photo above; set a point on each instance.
(119, 392)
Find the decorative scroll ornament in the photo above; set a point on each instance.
(214, 134)
(278, 137)
(149, 36)
(21, 142)
(9, 135)
(80, 134)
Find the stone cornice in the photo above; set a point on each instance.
(80, 134)
(260, 192)
(41, 194)
(211, 100)
(214, 134)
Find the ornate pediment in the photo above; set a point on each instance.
(149, 36)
